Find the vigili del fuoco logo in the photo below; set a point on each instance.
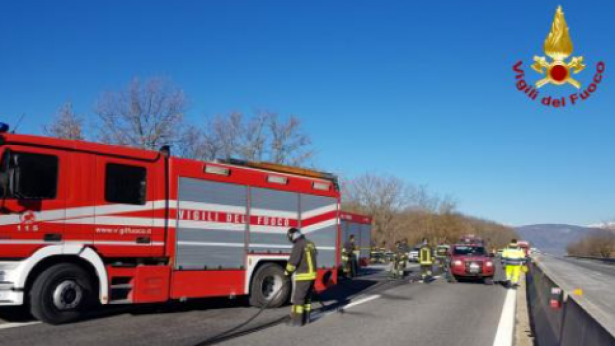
(559, 70)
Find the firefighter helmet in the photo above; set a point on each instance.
(293, 234)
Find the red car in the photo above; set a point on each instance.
(472, 261)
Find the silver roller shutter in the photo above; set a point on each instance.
(203, 244)
(323, 233)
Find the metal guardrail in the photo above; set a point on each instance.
(567, 324)
(601, 259)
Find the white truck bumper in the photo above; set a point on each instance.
(9, 294)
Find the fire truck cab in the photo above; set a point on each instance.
(84, 223)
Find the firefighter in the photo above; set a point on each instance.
(400, 257)
(513, 257)
(426, 260)
(394, 264)
(443, 259)
(403, 251)
(302, 266)
(383, 250)
(349, 258)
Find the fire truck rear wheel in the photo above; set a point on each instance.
(267, 282)
(61, 294)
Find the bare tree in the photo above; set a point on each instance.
(192, 144)
(145, 115)
(223, 135)
(262, 137)
(289, 144)
(600, 243)
(65, 124)
(255, 138)
(382, 197)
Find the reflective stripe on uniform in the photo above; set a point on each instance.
(305, 276)
(307, 307)
(425, 256)
(311, 273)
(290, 268)
(309, 259)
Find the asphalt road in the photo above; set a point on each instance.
(596, 266)
(595, 279)
(386, 313)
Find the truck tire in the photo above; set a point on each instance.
(268, 280)
(61, 294)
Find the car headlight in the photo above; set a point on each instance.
(457, 263)
(489, 264)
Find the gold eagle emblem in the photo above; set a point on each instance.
(558, 46)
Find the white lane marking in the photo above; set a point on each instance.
(16, 325)
(361, 301)
(506, 327)
(320, 314)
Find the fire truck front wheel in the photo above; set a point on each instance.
(61, 294)
(270, 287)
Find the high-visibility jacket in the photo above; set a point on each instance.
(513, 255)
(302, 261)
(425, 255)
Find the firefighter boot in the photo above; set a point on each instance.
(307, 309)
(296, 316)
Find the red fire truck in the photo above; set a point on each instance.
(84, 223)
(361, 227)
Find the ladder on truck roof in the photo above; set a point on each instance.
(279, 168)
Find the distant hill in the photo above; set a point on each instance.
(553, 238)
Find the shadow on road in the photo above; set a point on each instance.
(370, 279)
(16, 314)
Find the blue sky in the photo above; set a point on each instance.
(422, 90)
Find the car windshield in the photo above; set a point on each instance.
(469, 250)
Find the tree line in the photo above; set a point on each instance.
(600, 243)
(151, 113)
(402, 210)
